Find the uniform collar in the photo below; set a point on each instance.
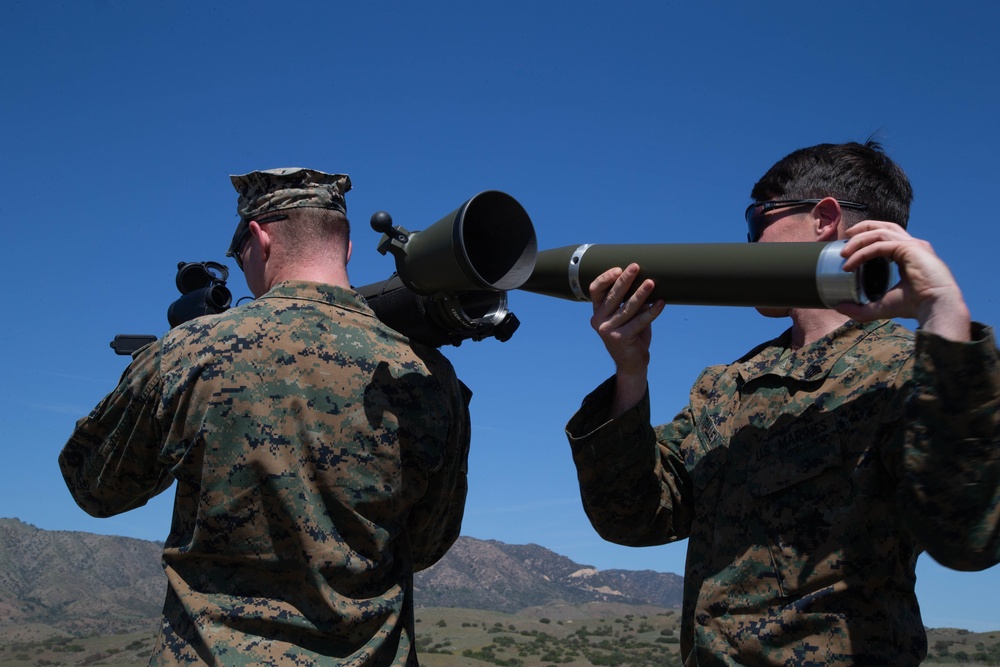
(810, 363)
(331, 295)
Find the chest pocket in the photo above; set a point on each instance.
(792, 453)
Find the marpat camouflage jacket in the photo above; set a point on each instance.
(808, 484)
(320, 459)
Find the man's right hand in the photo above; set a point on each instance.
(625, 327)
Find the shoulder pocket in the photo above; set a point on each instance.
(707, 453)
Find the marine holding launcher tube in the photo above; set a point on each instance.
(808, 475)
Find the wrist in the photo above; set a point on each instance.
(948, 318)
(630, 388)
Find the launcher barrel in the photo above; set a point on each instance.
(792, 275)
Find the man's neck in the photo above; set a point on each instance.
(314, 274)
(811, 324)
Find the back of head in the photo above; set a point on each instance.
(851, 171)
(312, 233)
(310, 205)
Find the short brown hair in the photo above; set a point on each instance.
(850, 171)
(308, 230)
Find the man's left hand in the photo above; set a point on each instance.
(927, 290)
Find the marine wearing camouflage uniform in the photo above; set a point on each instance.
(808, 484)
(320, 459)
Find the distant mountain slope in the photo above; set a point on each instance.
(486, 574)
(78, 582)
(83, 583)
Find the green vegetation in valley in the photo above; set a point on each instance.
(447, 637)
(552, 636)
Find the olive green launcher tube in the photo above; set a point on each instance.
(793, 275)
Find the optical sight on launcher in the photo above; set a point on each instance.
(203, 292)
(450, 284)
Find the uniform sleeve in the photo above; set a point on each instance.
(435, 521)
(110, 463)
(951, 454)
(634, 486)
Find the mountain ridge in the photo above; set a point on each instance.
(81, 583)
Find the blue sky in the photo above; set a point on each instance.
(630, 122)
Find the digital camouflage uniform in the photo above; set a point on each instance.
(808, 484)
(320, 459)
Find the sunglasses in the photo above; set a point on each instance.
(756, 220)
(242, 235)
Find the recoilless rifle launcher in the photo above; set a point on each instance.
(450, 284)
(452, 279)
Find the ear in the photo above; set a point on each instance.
(827, 217)
(350, 248)
(263, 239)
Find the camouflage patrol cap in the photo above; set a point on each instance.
(277, 189)
(281, 189)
